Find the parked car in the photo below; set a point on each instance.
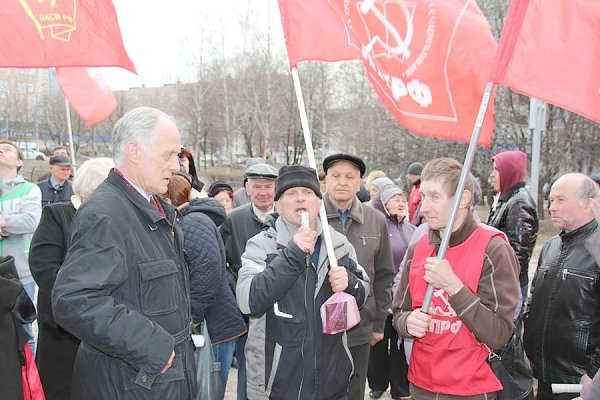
(31, 154)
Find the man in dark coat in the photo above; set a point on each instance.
(367, 230)
(124, 287)
(241, 224)
(57, 188)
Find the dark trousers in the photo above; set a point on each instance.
(358, 381)
(544, 392)
(387, 364)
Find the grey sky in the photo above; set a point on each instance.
(155, 33)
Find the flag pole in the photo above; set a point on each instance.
(485, 101)
(312, 163)
(70, 130)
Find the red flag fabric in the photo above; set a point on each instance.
(550, 50)
(428, 60)
(87, 93)
(60, 33)
(320, 37)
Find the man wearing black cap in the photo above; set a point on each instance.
(57, 189)
(366, 228)
(284, 280)
(241, 224)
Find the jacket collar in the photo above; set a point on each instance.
(139, 201)
(580, 232)
(467, 228)
(356, 209)
(513, 189)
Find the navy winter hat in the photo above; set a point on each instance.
(291, 176)
(415, 168)
(218, 186)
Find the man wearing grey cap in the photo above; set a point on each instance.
(57, 188)
(240, 196)
(241, 224)
(367, 230)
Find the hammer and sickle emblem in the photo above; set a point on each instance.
(401, 45)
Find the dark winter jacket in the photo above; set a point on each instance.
(124, 291)
(516, 215)
(50, 195)
(515, 212)
(287, 353)
(12, 335)
(212, 299)
(241, 224)
(56, 348)
(562, 321)
(366, 229)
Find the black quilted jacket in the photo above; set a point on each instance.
(212, 300)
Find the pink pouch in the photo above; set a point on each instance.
(339, 313)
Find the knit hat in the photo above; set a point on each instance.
(415, 168)
(291, 176)
(387, 192)
(360, 164)
(218, 186)
(383, 181)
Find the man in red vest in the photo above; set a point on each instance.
(476, 293)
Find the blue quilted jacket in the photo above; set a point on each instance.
(212, 299)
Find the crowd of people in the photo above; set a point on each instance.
(134, 256)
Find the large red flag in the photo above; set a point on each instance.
(551, 50)
(428, 60)
(59, 33)
(87, 93)
(320, 37)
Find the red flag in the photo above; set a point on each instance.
(428, 60)
(87, 93)
(320, 37)
(549, 50)
(59, 33)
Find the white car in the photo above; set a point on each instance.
(31, 154)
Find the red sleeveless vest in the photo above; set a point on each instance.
(449, 359)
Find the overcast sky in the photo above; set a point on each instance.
(156, 31)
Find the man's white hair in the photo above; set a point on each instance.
(138, 124)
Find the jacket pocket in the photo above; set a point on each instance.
(158, 291)
(173, 374)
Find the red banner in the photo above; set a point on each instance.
(87, 93)
(428, 60)
(549, 50)
(320, 37)
(59, 33)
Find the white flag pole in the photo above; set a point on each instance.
(70, 130)
(313, 164)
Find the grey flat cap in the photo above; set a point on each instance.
(261, 171)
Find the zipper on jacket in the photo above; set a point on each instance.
(566, 272)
